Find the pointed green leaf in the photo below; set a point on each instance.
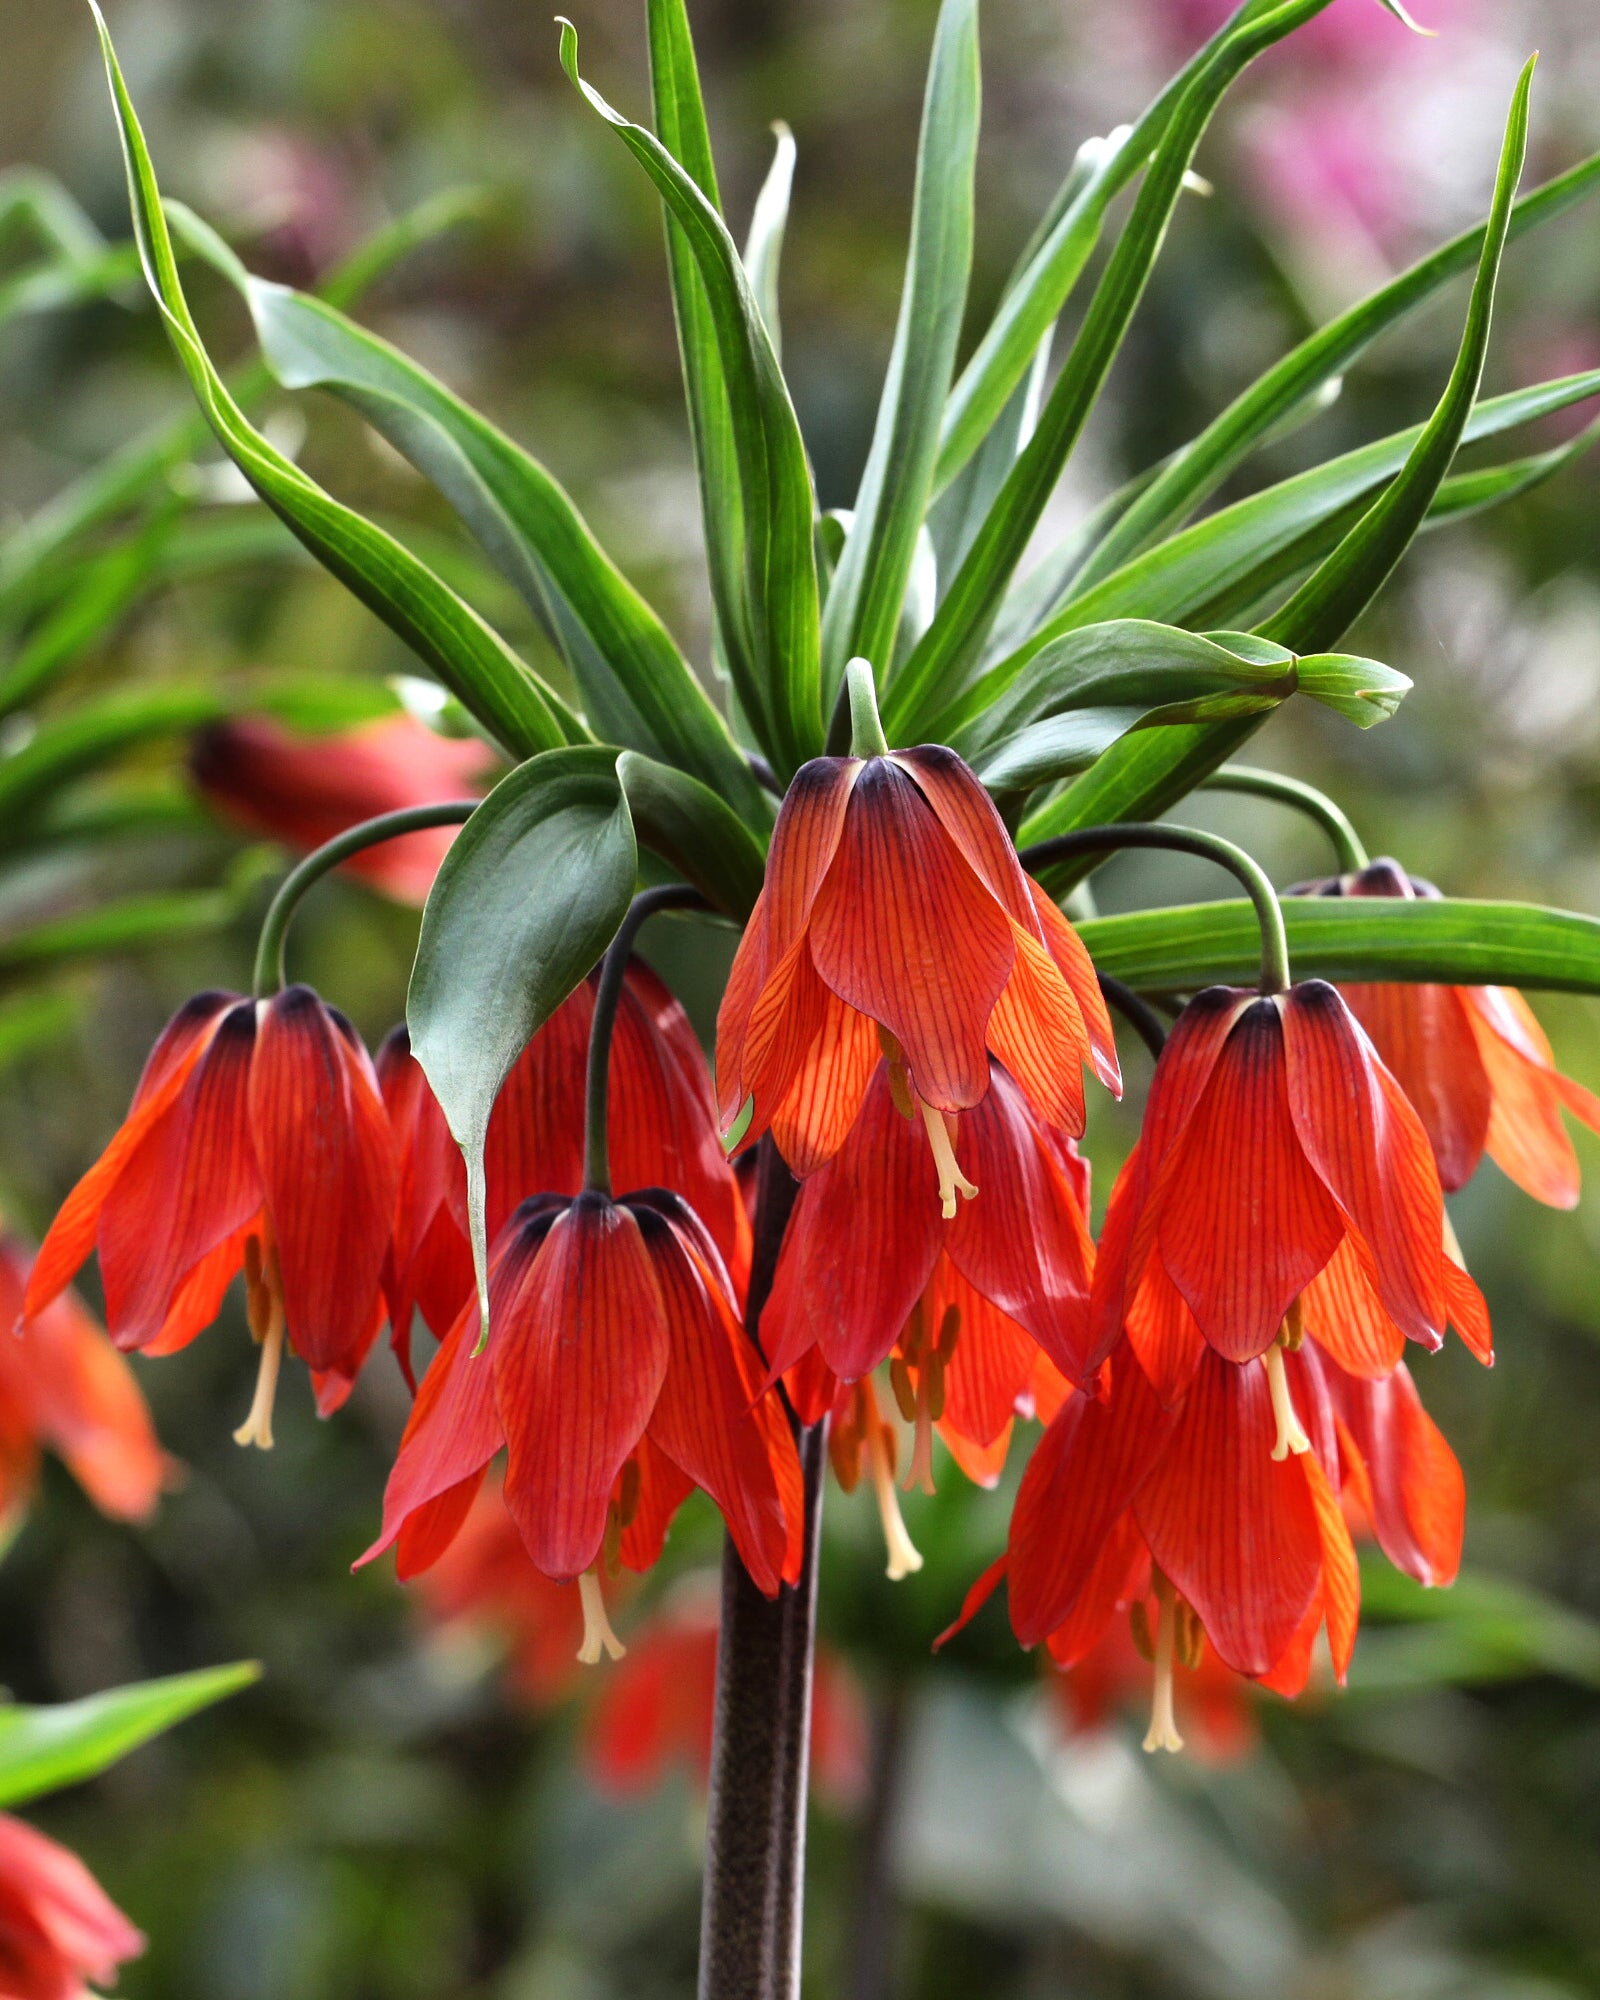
(465, 653)
(779, 689)
(528, 897)
(44, 1749)
(763, 247)
(869, 585)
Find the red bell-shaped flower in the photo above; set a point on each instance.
(1475, 1064)
(1274, 1139)
(895, 921)
(59, 1930)
(613, 1328)
(257, 1140)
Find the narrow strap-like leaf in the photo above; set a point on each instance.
(471, 659)
(1327, 603)
(779, 688)
(763, 246)
(869, 585)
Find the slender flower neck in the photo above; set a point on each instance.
(1184, 840)
(598, 1636)
(264, 1310)
(1163, 1731)
(1291, 1432)
(271, 974)
(866, 728)
(608, 995)
(1304, 798)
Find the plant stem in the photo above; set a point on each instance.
(1183, 840)
(1329, 815)
(613, 970)
(1138, 1013)
(270, 975)
(750, 1916)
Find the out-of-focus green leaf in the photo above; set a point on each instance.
(133, 923)
(637, 688)
(396, 240)
(44, 1749)
(1448, 942)
(1197, 470)
(955, 638)
(528, 897)
(763, 246)
(1328, 602)
(1482, 1628)
(688, 825)
(30, 1021)
(868, 592)
(464, 652)
(780, 690)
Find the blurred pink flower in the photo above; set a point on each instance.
(59, 1929)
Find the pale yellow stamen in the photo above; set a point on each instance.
(904, 1556)
(1291, 1433)
(1163, 1731)
(952, 1181)
(257, 1427)
(598, 1636)
(920, 1471)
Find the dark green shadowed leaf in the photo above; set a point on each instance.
(464, 652)
(1450, 942)
(779, 686)
(43, 1749)
(528, 897)
(688, 825)
(869, 584)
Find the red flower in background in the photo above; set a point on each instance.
(303, 790)
(257, 1140)
(612, 1326)
(1474, 1063)
(661, 1128)
(896, 922)
(1275, 1147)
(63, 1385)
(59, 1930)
(1211, 1704)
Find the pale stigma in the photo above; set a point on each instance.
(904, 1556)
(1163, 1731)
(264, 1305)
(598, 1636)
(952, 1181)
(1291, 1433)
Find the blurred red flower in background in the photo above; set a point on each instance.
(59, 1930)
(303, 790)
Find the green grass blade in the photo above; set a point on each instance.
(1328, 602)
(465, 653)
(763, 246)
(779, 689)
(869, 585)
(131, 923)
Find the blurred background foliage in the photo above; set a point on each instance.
(379, 1819)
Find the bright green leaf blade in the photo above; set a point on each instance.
(960, 510)
(769, 220)
(466, 655)
(956, 636)
(869, 585)
(1196, 471)
(1448, 942)
(44, 1749)
(780, 692)
(528, 897)
(689, 826)
(637, 688)
(1328, 602)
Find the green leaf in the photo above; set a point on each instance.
(763, 246)
(869, 585)
(958, 513)
(30, 1021)
(133, 923)
(1483, 1628)
(1448, 942)
(44, 1749)
(467, 656)
(779, 686)
(689, 826)
(1196, 471)
(1327, 603)
(637, 688)
(528, 897)
(956, 636)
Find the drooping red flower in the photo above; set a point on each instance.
(257, 1140)
(656, 1711)
(1211, 1704)
(661, 1132)
(65, 1387)
(613, 1328)
(896, 922)
(1475, 1064)
(867, 1251)
(59, 1930)
(303, 790)
(1275, 1147)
